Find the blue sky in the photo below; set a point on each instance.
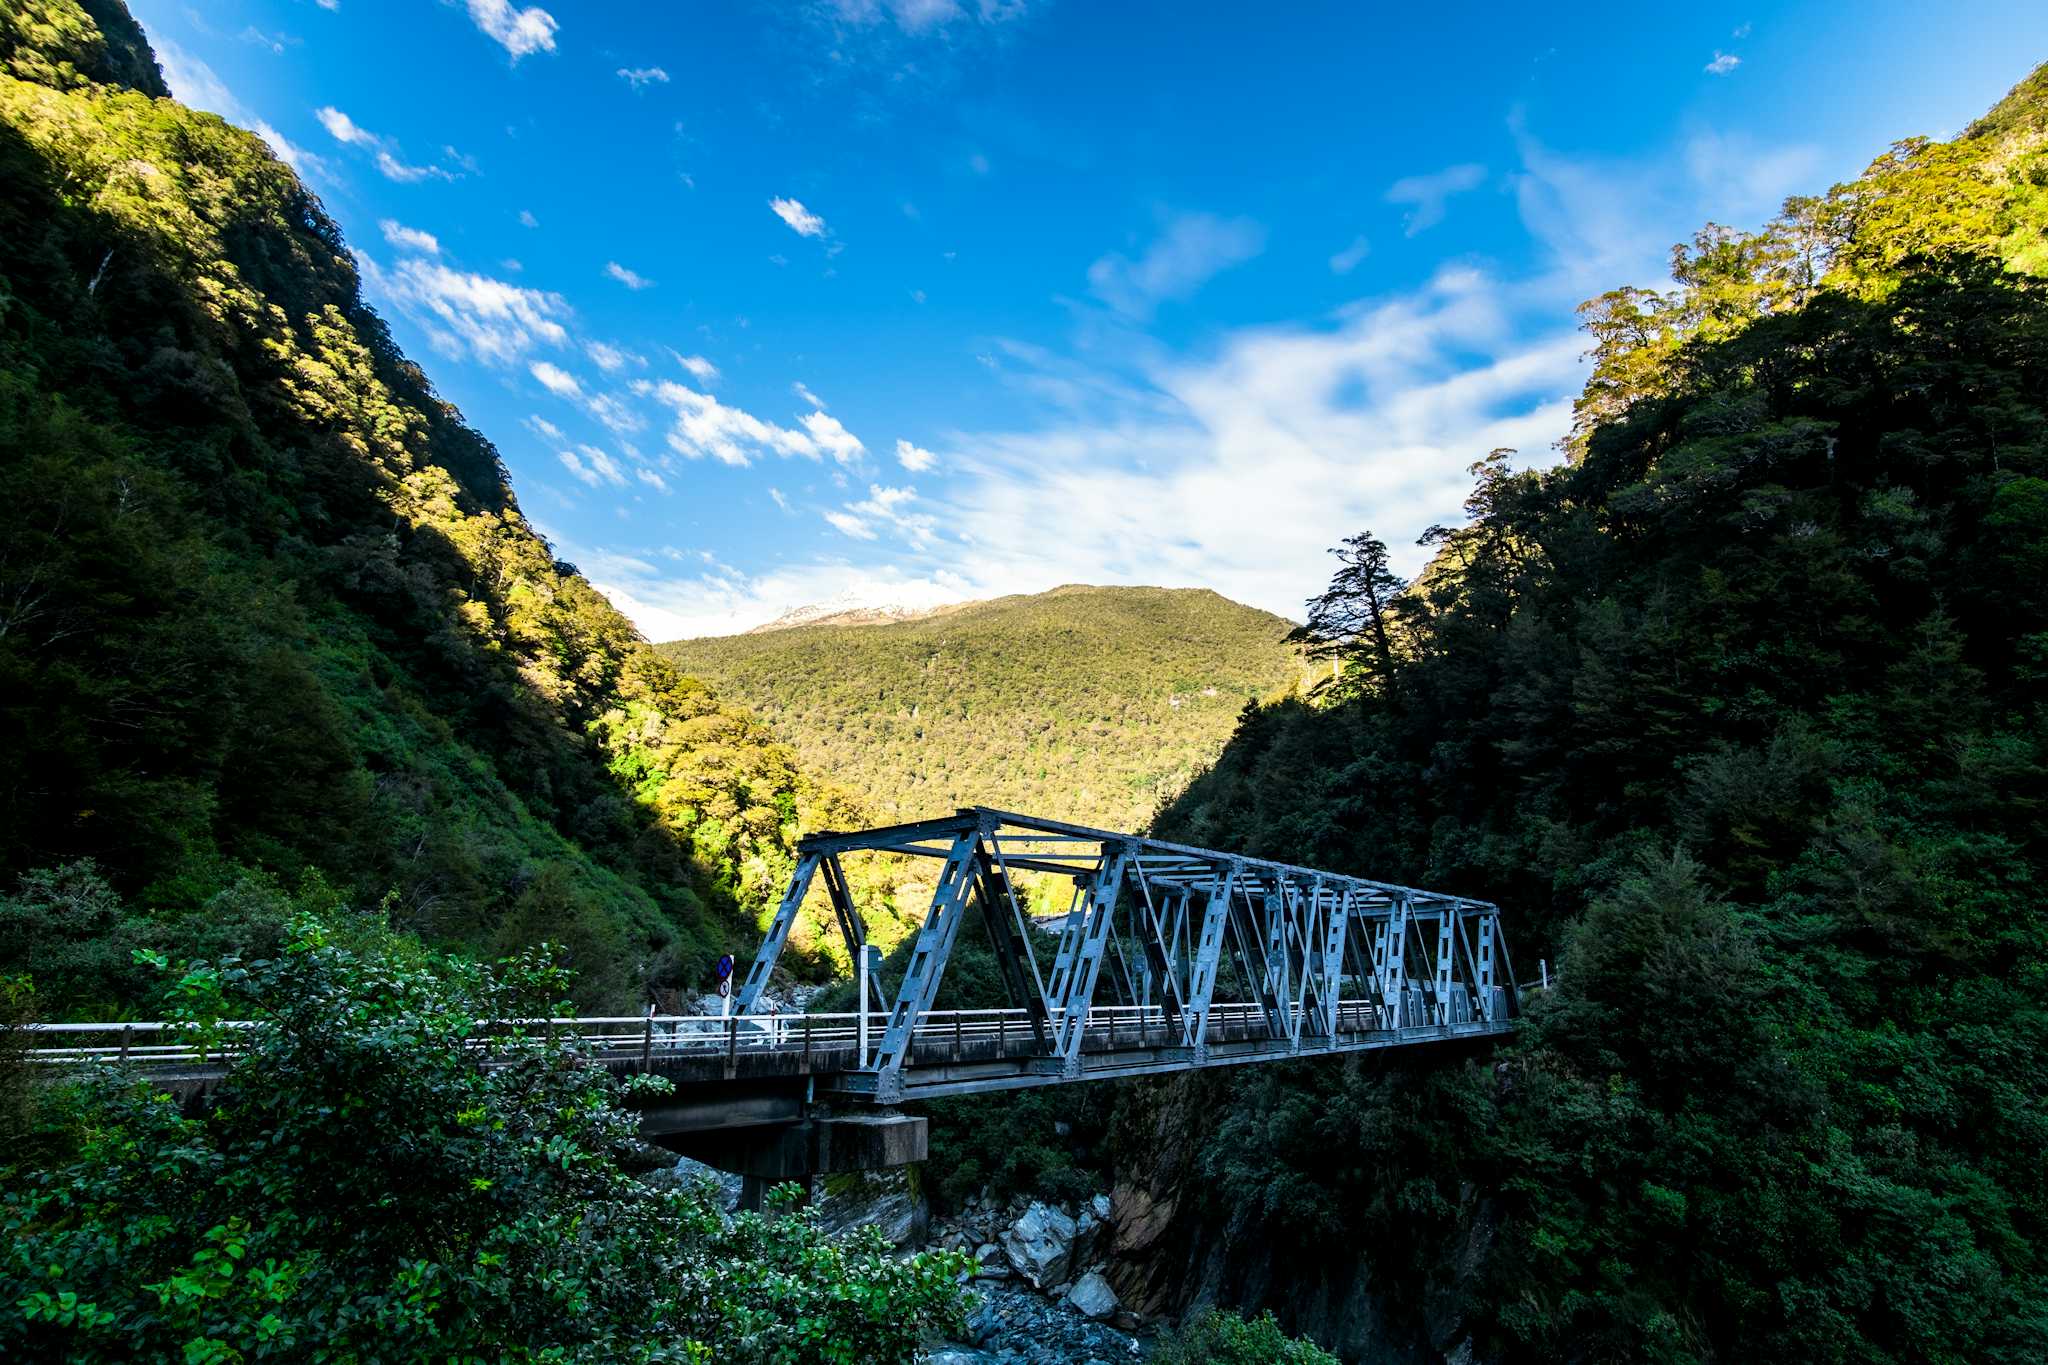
(912, 301)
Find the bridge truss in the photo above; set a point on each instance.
(1306, 961)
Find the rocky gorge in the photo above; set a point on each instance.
(1043, 1292)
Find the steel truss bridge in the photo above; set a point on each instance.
(1169, 958)
(1319, 962)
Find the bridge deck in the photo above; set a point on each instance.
(745, 1071)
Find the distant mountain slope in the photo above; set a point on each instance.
(1091, 704)
(268, 607)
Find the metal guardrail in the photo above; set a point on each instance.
(158, 1044)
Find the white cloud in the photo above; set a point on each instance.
(574, 464)
(348, 132)
(1723, 63)
(343, 128)
(885, 509)
(650, 478)
(803, 391)
(780, 500)
(917, 17)
(470, 314)
(542, 427)
(277, 42)
(849, 524)
(1194, 248)
(1346, 261)
(603, 466)
(1428, 193)
(702, 370)
(520, 32)
(631, 279)
(556, 380)
(406, 173)
(526, 219)
(800, 219)
(410, 239)
(640, 77)
(1743, 30)
(832, 438)
(916, 459)
(704, 426)
(612, 359)
(613, 412)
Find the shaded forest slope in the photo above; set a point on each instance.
(268, 606)
(1739, 713)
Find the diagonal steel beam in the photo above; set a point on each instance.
(1208, 956)
(927, 964)
(1091, 935)
(1009, 937)
(778, 932)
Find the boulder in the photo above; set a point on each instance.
(1092, 1295)
(1040, 1244)
(1099, 1206)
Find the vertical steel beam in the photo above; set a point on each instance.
(1482, 970)
(1285, 1020)
(1446, 959)
(1332, 989)
(1393, 968)
(778, 932)
(1007, 934)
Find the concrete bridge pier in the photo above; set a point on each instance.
(822, 1144)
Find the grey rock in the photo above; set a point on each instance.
(1093, 1296)
(1099, 1206)
(1040, 1244)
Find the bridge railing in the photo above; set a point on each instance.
(160, 1044)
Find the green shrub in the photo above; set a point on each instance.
(1216, 1336)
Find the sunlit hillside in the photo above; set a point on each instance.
(1084, 703)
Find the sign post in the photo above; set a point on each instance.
(724, 973)
(870, 956)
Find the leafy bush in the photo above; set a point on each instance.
(1216, 1336)
(385, 1175)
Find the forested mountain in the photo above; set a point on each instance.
(1739, 713)
(1083, 703)
(269, 612)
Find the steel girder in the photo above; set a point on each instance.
(1323, 957)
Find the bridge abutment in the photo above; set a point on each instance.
(834, 1144)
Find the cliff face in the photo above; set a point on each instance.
(1401, 1300)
